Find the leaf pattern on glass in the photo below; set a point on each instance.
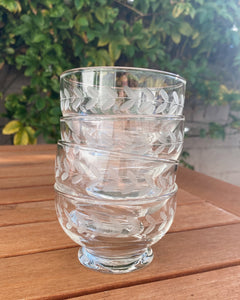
(127, 105)
(151, 224)
(104, 99)
(146, 108)
(161, 108)
(149, 95)
(91, 103)
(175, 98)
(66, 93)
(164, 95)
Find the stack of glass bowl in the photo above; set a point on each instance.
(122, 133)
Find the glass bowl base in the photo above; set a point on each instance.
(116, 265)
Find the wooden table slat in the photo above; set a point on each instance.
(217, 284)
(223, 194)
(200, 215)
(29, 148)
(23, 158)
(22, 213)
(45, 236)
(15, 182)
(26, 194)
(59, 272)
(25, 170)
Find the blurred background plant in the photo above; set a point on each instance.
(199, 39)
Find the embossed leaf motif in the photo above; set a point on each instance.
(134, 95)
(173, 108)
(104, 98)
(161, 108)
(127, 105)
(149, 95)
(76, 104)
(151, 224)
(175, 98)
(147, 108)
(108, 104)
(77, 178)
(91, 103)
(78, 93)
(164, 95)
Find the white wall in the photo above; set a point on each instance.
(214, 157)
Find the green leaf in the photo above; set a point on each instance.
(114, 51)
(57, 11)
(216, 131)
(103, 41)
(40, 103)
(201, 2)
(78, 4)
(39, 37)
(196, 42)
(12, 127)
(130, 50)
(55, 111)
(123, 41)
(177, 10)
(10, 50)
(39, 20)
(11, 5)
(103, 58)
(176, 37)
(185, 29)
(54, 120)
(31, 135)
(21, 137)
(26, 19)
(195, 35)
(100, 14)
(81, 21)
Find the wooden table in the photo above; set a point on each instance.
(198, 259)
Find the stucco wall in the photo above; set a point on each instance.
(215, 157)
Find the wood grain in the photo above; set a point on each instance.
(46, 168)
(15, 182)
(59, 274)
(214, 285)
(26, 194)
(15, 214)
(224, 195)
(201, 215)
(32, 238)
(29, 148)
(184, 197)
(25, 157)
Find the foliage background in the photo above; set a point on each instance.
(199, 39)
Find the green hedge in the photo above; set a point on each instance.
(198, 39)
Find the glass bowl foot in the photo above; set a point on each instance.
(115, 265)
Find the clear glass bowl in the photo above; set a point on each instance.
(111, 175)
(155, 136)
(121, 90)
(115, 235)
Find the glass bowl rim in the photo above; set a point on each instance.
(98, 117)
(128, 156)
(181, 79)
(117, 201)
